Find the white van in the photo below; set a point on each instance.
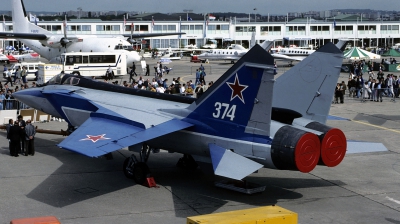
(31, 68)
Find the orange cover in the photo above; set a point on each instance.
(37, 220)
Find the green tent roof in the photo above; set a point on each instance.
(355, 53)
(391, 53)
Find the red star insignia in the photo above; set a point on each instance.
(95, 138)
(237, 89)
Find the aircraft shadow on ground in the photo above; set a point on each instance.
(197, 190)
(80, 178)
(393, 221)
(376, 119)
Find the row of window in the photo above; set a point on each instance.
(144, 28)
(172, 28)
(212, 28)
(79, 59)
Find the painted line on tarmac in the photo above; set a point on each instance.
(391, 199)
(182, 78)
(376, 126)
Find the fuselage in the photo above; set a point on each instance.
(86, 44)
(223, 54)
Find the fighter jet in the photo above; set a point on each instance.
(245, 121)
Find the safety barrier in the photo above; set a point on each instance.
(10, 109)
(12, 104)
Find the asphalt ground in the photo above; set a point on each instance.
(364, 188)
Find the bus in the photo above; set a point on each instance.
(94, 63)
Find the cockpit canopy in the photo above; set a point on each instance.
(71, 80)
(56, 79)
(123, 47)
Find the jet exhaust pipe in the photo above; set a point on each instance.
(294, 149)
(333, 141)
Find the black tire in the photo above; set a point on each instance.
(140, 172)
(128, 174)
(187, 162)
(76, 73)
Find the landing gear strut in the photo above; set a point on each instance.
(135, 169)
(187, 162)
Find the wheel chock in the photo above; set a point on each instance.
(150, 182)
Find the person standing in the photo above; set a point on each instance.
(197, 81)
(147, 70)
(17, 76)
(8, 126)
(134, 69)
(22, 125)
(2, 100)
(109, 73)
(8, 76)
(29, 138)
(15, 136)
(23, 74)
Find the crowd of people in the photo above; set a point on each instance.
(21, 136)
(371, 88)
(7, 101)
(161, 84)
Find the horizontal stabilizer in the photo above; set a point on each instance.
(364, 147)
(229, 164)
(100, 135)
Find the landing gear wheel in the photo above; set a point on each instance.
(140, 172)
(128, 170)
(187, 162)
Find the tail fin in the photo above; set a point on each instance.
(267, 45)
(252, 40)
(341, 44)
(21, 22)
(240, 101)
(308, 87)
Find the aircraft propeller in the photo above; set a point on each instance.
(130, 39)
(64, 41)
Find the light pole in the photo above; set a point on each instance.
(255, 14)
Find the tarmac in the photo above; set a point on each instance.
(364, 188)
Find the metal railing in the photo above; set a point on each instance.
(13, 104)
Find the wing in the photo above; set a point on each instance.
(287, 58)
(34, 36)
(29, 36)
(102, 133)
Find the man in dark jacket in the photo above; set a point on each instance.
(22, 125)
(29, 138)
(15, 138)
(8, 126)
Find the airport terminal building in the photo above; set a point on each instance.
(369, 34)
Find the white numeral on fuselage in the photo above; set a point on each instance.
(228, 111)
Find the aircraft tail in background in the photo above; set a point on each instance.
(308, 88)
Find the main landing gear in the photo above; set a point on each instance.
(187, 162)
(137, 169)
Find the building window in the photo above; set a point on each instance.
(56, 28)
(86, 28)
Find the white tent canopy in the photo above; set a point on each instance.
(358, 53)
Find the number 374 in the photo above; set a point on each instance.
(223, 110)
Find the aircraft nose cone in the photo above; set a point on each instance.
(34, 98)
(27, 95)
